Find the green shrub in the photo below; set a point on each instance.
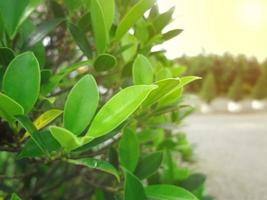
(260, 90)
(208, 90)
(87, 111)
(235, 92)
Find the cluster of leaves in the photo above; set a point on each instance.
(81, 93)
(236, 77)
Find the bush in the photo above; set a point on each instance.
(260, 90)
(235, 92)
(82, 113)
(208, 90)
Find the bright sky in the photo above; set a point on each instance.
(217, 26)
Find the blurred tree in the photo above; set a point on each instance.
(208, 90)
(235, 92)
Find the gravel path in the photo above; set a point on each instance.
(232, 150)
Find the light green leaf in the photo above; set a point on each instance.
(163, 20)
(133, 188)
(12, 11)
(41, 31)
(97, 164)
(132, 16)
(108, 8)
(81, 105)
(188, 79)
(164, 86)
(129, 150)
(15, 197)
(80, 39)
(101, 34)
(22, 80)
(142, 71)
(144, 170)
(118, 109)
(65, 138)
(104, 62)
(170, 192)
(9, 108)
(131, 42)
(30, 148)
(171, 97)
(164, 73)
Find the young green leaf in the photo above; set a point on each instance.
(81, 105)
(136, 12)
(188, 79)
(133, 188)
(148, 165)
(12, 12)
(142, 71)
(108, 8)
(104, 62)
(171, 192)
(15, 197)
(41, 31)
(101, 33)
(97, 164)
(164, 86)
(129, 150)
(118, 109)
(31, 149)
(65, 138)
(9, 108)
(21, 80)
(80, 39)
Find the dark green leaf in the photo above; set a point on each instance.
(22, 80)
(105, 62)
(97, 164)
(6, 55)
(148, 165)
(129, 150)
(168, 192)
(81, 105)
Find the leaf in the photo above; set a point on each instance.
(108, 8)
(163, 20)
(118, 109)
(163, 87)
(30, 149)
(97, 164)
(46, 118)
(131, 42)
(142, 71)
(170, 192)
(132, 16)
(133, 188)
(171, 34)
(9, 108)
(81, 105)
(101, 34)
(80, 39)
(41, 31)
(105, 62)
(15, 197)
(6, 55)
(65, 138)
(129, 150)
(148, 165)
(12, 12)
(188, 79)
(21, 80)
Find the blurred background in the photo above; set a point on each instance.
(224, 42)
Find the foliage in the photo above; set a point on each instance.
(87, 110)
(208, 90)
(236, 90)
(260, 90)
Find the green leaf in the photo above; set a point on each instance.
(171, 34)
(80, 39)
(188, 79)
(42, 30)
(81, 105)
(142, 71)
(164, 86)
(118, 109)
(12, 11)
(163, 20)
(132, 16)
(65, 138)
(131, 42)
(108, 8)
(129, 150)
(9, 108)
(6, 55)
(133, 188)
(101, 34)
(22, 80)
(97, 164)
(15, 197)
(105, 62)
(170, 192)
(30, 149)
(148, 165)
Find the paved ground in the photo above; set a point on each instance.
(232, 150)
